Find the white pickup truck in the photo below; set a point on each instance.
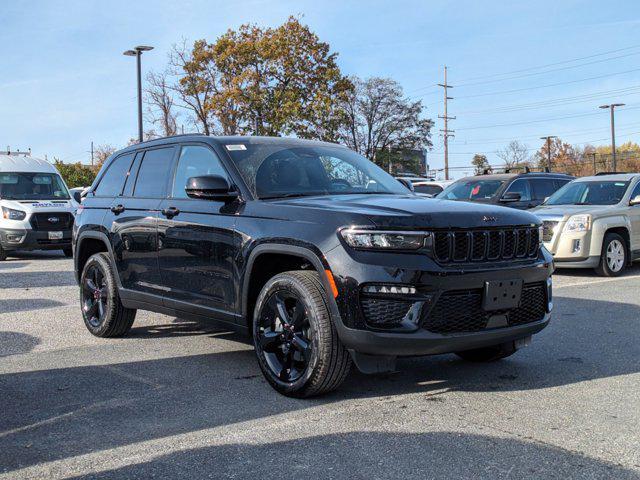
(36, 210)
(594, 222)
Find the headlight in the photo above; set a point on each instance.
(385, 240)
(11, 214)
(578, 223)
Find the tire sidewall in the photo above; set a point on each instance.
(605, 246)
(284, 282)
(98, 260)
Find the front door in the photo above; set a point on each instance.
(634, 216)
(197, 240)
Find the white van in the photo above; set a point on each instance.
(36, 210)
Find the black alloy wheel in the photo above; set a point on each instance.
(297, 345)
(94, 296)
(102, 310)
(284, 336)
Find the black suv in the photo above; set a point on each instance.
(517, 190)
(318, 254)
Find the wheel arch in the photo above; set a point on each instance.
(268, 260)
(90, 243)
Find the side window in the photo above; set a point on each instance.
(113, 179)
(153, 173)
(636, 191)
(544, 187)
(195, 160)
(520, 186)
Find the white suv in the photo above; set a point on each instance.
(36, 210)
(594, 222)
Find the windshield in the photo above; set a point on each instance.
(32, 186)
(589, 193)
(273, 169)
(471, 190)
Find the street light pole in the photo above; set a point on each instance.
(613, 133)
(548, 139)
(137, 52)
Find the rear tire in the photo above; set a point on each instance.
(613, 259)
(103, 312)
(3, 254)
(68, 252)
(296, 342)
(489, 354)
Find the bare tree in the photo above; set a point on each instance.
(159, 98)
(101, 153)
(378, 115)
(515, 154)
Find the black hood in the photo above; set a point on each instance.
(410, 211)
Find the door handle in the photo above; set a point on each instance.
(170, 212)
(118, 209)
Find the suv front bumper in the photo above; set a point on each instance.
(430, 279)
(20, 239)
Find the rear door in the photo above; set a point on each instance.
(197, 240)
(133, 220)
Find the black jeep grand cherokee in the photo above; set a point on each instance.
(318, 254)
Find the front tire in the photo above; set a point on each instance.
(103, 312)
(613, 258)
(489, 354)
(296, 343)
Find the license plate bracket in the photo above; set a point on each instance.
(55, 235)
(502, 294)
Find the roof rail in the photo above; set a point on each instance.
(610, 173)
(174, 136)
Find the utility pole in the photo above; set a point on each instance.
(92, 153)
(390, 159)
(613, 133)
(446, 133)
(548, 138)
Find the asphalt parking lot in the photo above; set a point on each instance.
(178, 399)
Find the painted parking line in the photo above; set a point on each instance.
(594, 282)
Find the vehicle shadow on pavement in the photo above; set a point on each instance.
(63, 412)
(9, 305)
(589, 273)
(374, 455)
(10, 265)
(15, 343)
(38, 279)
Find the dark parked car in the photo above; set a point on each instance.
(318, 254)
(517, 190)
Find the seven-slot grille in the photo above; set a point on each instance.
(467, 246)
(51, 221)
(548, 227)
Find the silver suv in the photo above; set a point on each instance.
(594, 222)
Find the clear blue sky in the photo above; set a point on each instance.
(65, 82)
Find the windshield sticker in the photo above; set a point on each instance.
(620, 184)
(233, 148)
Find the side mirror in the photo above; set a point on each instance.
(635, 200)
(210, 187)
(406, 183)
(510, 197)
(77, 195)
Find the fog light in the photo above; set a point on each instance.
(390, 289)
(13, 238)
(549, 294)
(577, 245)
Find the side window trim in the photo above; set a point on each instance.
(142, 154)
(176, 164)
(107, 171)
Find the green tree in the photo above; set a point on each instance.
(76, 174)
(480, 164)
